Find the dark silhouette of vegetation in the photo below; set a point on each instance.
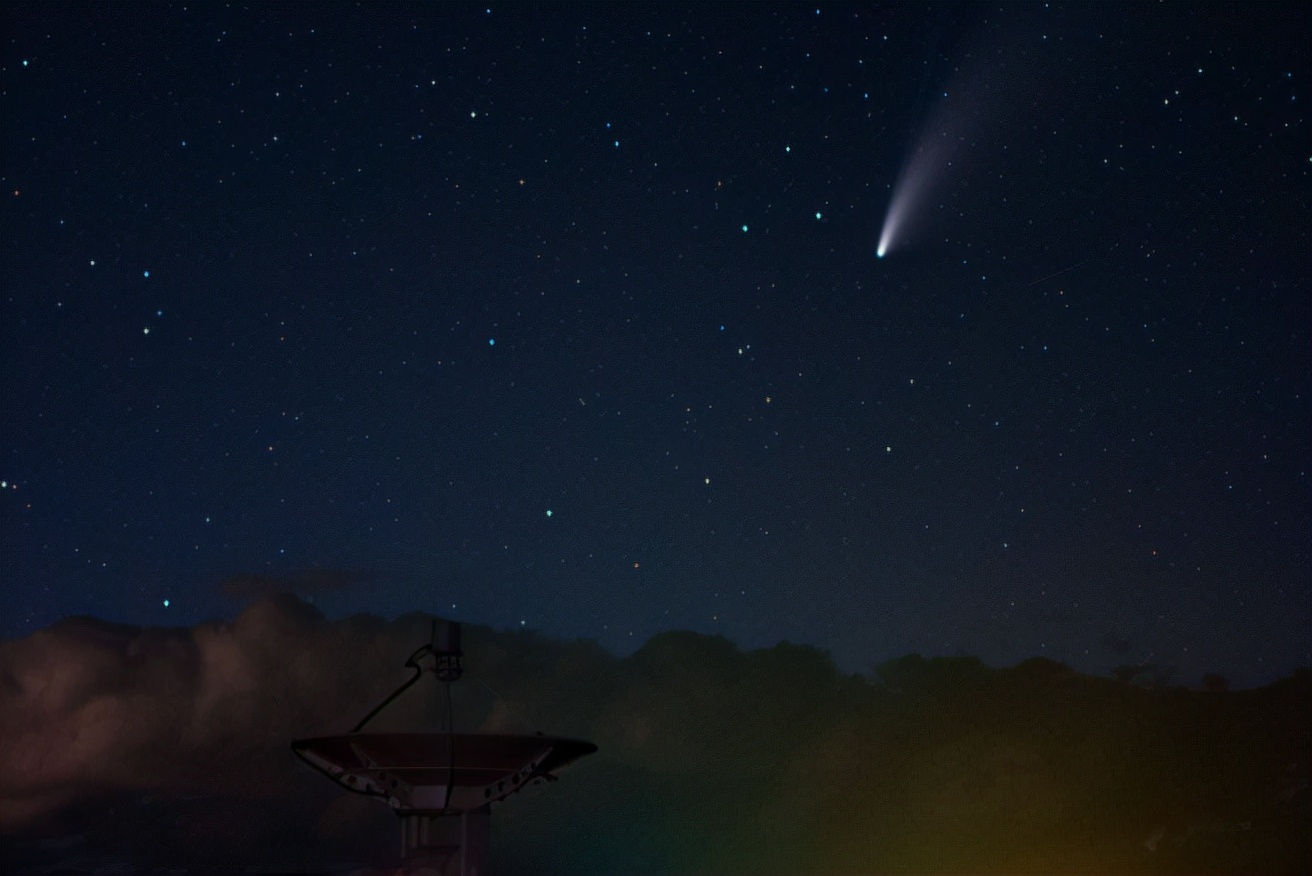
(712, 760)
(1149, 675)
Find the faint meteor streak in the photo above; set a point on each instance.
(1058, 273)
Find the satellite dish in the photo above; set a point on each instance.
(441, 785)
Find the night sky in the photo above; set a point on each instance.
(574, 319)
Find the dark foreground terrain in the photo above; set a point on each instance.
(137, 751)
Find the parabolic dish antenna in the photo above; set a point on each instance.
(442, 785)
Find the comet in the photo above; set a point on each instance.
(921, 175)
(962, 117)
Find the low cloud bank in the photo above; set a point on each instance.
(141, 748)
(89, 708)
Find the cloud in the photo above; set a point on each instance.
(141, 747)
(88, 707)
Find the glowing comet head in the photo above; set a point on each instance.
(924, 172)
(896, 216)
(909, 195)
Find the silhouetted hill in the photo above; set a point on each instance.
(142, 749)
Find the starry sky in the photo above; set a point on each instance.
(572, 318)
